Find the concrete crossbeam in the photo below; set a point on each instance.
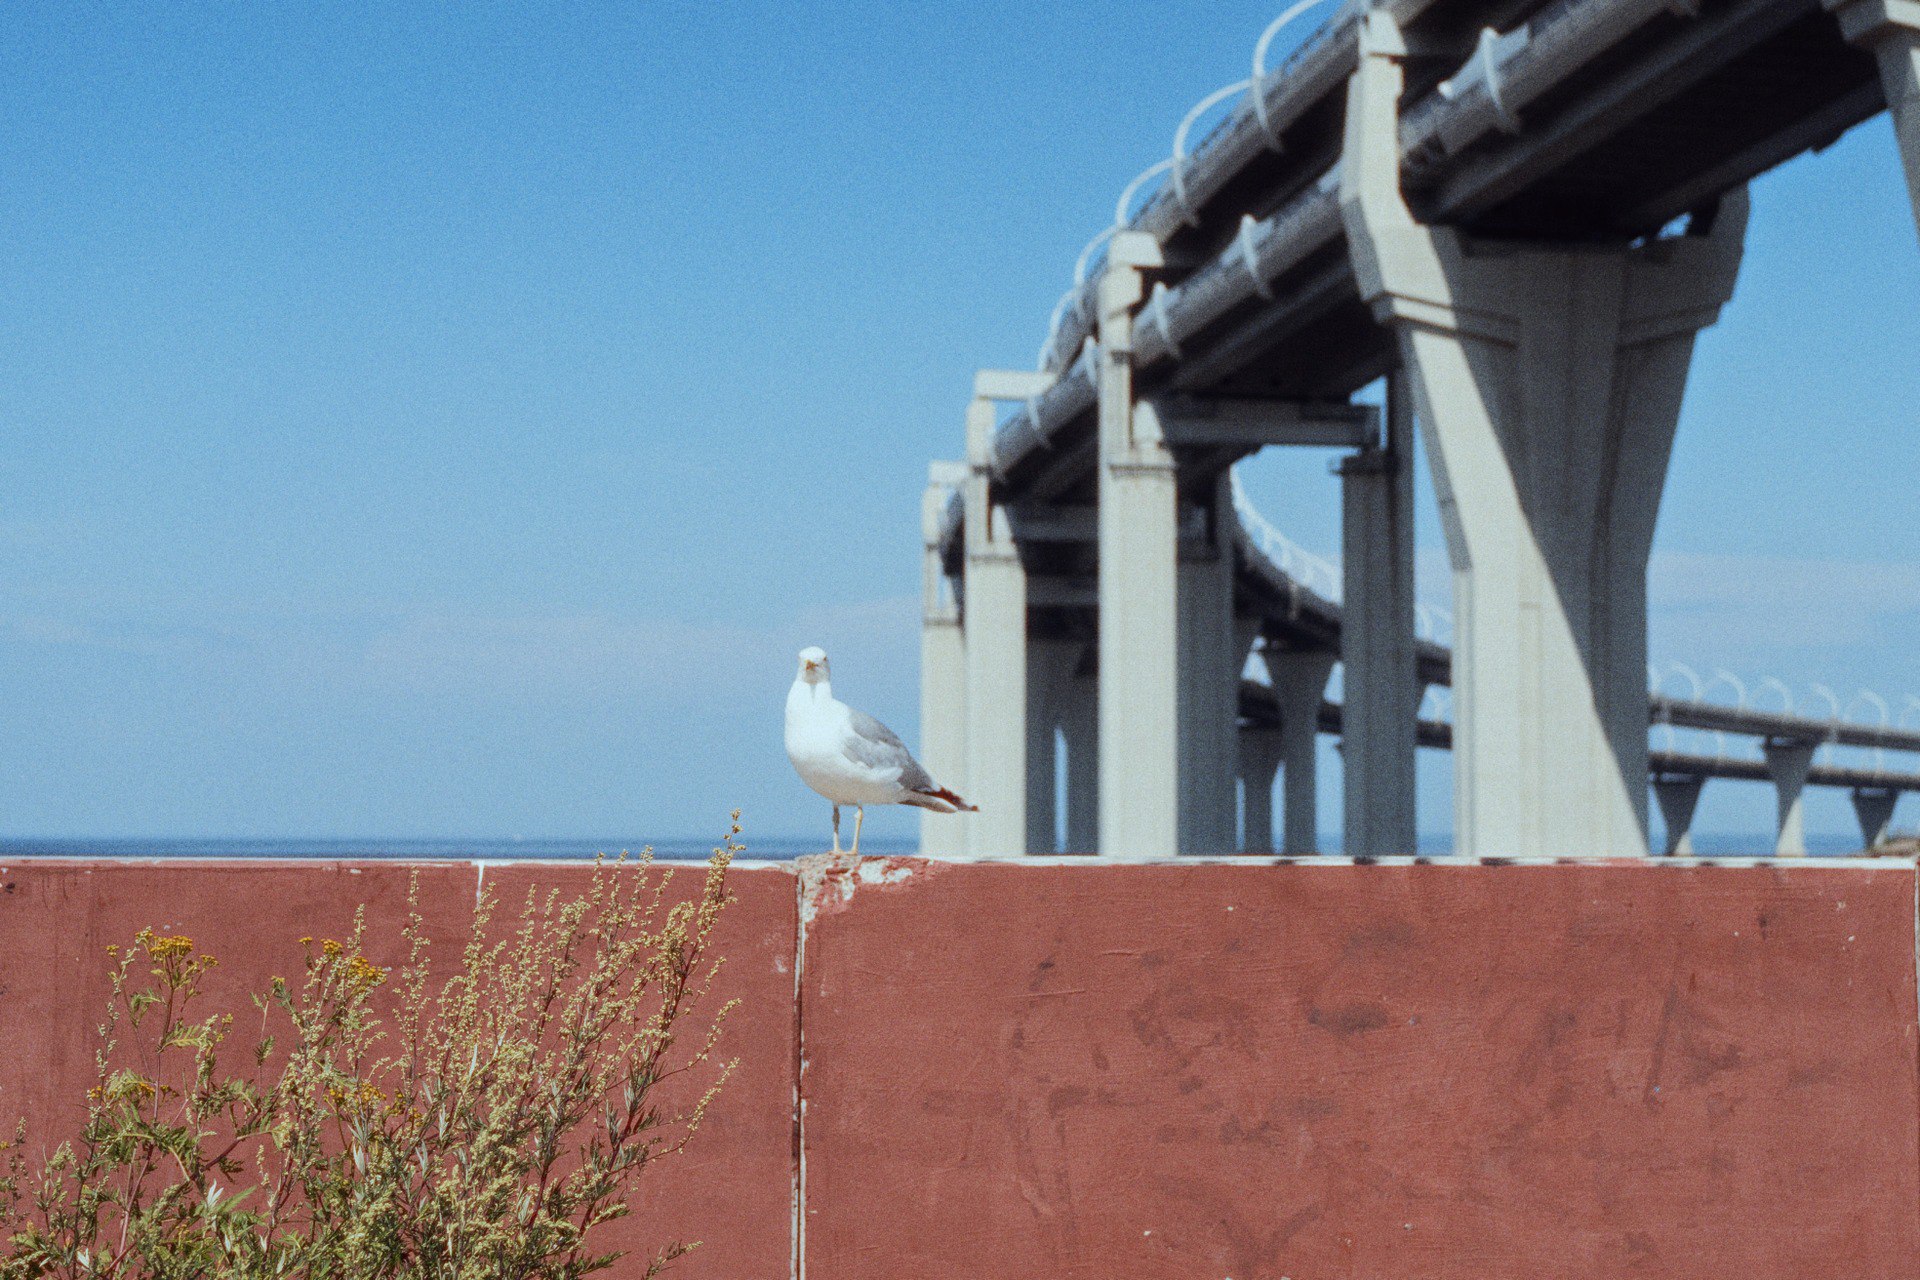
(1012, 384)
(1213, 421)
(1035, 522)
(1053, 592)
(1549, 382)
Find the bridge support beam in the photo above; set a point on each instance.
(1261, 751)
(1890, 30)
(1080, 733)
(1050, 666)
(1548, 382)
(1873, 806)
(1139, 609)
(943, 670)
(1212, 650)
(1381, 683)
(1789, 762)
(995, 610)
(1299, 686)
(1679, 796)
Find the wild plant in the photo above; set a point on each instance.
(392, 1121)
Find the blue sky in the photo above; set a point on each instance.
(450, 421)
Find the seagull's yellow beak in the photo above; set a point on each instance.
(811, 664)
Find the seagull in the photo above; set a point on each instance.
(851, 758)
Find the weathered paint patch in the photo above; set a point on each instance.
(829, 881)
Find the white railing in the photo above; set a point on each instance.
(1174, 169)
(1838, 714)
(1316, 573)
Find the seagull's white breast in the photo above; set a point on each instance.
(819, 732)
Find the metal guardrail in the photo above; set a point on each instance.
(1258, 705)
(1260, 542)
(1313, 572)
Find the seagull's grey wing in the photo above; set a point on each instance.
(878, 747)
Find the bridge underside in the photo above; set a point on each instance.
(1521, 214)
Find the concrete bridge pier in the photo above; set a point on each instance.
(1873, 806)
(1382, 688)
(1212, 649)
(1789, 761)
(994, 614)
(1079, 733)
(1890, 30)
(1299, 686)
(943, 668)
(1678, 796)
(1138, 719)
(1261, 751)
(1050, 680)
(1548, 381)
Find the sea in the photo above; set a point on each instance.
(679, 850)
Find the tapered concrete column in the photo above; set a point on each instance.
(1050, 665)
(1261, 751)
(1874, 807)
(1548, 383)
(1138, 720)
(996, 647)
(1679, 796)
(1079, 732)
(1789, 762)
(1300, 685)
(943, 669)
(1211, 654)
(1382, 687)
(1890, 30)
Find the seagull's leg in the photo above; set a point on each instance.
(859, 816)
(836, 828)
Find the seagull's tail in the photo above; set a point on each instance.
(941, 800)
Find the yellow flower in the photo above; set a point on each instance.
(362, 972)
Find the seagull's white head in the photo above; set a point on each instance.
(813, 665)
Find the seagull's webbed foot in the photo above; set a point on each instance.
(836, 831)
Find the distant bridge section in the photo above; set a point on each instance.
(1517, 213)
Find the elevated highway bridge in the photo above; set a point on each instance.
(1519, 215)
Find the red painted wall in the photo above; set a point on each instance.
(1337, 1071)
(1201, 1070)
(732, 1189)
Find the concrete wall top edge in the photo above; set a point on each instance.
(360, 864)
(791, 866)
(1423, 860)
